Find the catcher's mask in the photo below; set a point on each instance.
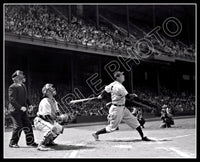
(47, 87)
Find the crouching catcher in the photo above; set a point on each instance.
(47, 118)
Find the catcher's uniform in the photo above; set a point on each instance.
(51, 128)
(118, 111)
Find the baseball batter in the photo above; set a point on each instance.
(118, 111)
(47, 116)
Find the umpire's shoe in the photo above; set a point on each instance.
(96, 137)
(145, 139)
(14, 145)
(33, 144)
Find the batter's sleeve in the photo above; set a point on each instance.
(120, 91)
(108, 88)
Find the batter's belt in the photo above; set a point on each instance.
(118, 105)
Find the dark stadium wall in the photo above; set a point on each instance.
(69, 70)
(60, 67)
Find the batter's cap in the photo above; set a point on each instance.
(17, 72)
(118, 74)
(46, 87)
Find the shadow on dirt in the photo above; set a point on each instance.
(138, 140)
(125, 140)
(69, 147)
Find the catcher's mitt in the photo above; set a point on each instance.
(63, 118)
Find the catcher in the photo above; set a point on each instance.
(48, 118)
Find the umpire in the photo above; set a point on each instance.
(18, 104)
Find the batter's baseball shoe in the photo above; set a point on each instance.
(96, 137)
(145, 139)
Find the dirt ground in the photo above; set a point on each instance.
(77, 142)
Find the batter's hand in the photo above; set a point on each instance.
(109, 103)
(23, 108)
(99, 97)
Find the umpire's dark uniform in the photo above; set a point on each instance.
(18, 98)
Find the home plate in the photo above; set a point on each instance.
(123, 146)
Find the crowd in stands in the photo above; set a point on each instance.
(177, 49)
(41, 22)
(180, 103)
(44, 22)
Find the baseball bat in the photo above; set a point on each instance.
(82, 100)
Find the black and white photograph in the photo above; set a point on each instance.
(99, 80)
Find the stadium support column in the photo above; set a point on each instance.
(178, 71)
(131, 79)
(79, 10)
(127, 18)
(69, 13)
(178, 82)
(188, 26)
(154, 16)
(28, 75)
(100, 66)
(97, 16)
(72, 74)
(158, 81)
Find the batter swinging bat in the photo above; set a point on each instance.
(82, 100)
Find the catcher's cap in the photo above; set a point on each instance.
(17, 73)
(46, 87)
(118, 74)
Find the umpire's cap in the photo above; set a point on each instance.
(17, 73)
(118, 74)
(46, 87)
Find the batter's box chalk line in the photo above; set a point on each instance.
(123, 146)
(170, 138)
(181, 153)
(129, 139)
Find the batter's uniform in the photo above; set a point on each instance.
(50, 127)
(118, 111)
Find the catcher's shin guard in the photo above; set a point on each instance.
(51, 141)
(47, 138)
